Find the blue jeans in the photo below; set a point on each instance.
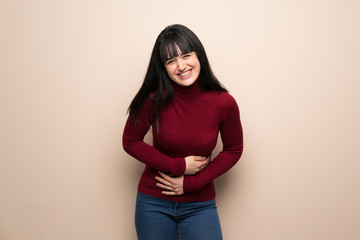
(160, 219)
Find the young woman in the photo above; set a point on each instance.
(186, 107)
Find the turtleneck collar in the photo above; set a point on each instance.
(187, 91)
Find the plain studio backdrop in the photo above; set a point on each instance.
(70, 68)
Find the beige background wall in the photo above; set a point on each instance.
(70, 68)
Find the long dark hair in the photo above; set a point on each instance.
(157, 84)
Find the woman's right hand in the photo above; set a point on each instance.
(195, 164)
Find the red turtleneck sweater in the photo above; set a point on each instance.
(188, 125)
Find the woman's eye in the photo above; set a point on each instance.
(187, 55)
(170, 61)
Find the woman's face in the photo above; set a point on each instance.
(183, 69)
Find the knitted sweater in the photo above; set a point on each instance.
(188, 125)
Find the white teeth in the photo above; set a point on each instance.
(185, 73)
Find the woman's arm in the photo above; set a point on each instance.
(134, 145)
(232, 139)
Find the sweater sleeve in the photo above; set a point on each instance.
(134, 145)
(232, 139)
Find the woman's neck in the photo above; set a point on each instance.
(187, 91)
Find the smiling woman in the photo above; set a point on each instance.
(187, 107)
(183, 69)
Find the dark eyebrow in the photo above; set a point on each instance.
(182, 54)
(168, 59)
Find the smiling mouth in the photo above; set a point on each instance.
(185, 74)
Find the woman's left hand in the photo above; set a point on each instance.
(172, 185)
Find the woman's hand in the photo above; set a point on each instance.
(195, 164)
(172, 185)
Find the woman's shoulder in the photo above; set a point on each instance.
(221, 97)
(224, 104)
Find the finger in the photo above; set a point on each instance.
(170, 193)
(160, 185)
(163, 181)
(166, 177)
(207, 160)
(205, 163)
(202, 158)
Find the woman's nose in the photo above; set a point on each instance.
(181, 65)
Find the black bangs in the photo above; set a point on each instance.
(172, 43)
